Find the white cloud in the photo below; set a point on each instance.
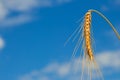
(8, 7)
(52, 71)
(67, 71)
(20, 5)
(61, 70)
(16, 20)
(3, 11)
(109, 59)
(2, 43)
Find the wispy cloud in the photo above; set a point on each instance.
(53, 71)
(111, 5)
(104, 8)
(117, 2)
(8, 8)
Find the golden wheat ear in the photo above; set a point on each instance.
(88, 52)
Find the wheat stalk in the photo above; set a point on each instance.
(86, 40)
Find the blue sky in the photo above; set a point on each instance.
(33, 33)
